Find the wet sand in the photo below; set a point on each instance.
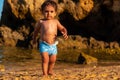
(31, 70)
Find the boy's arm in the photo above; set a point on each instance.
(36, 31)
(63, 30)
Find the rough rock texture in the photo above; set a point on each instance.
(9, 37)
(99, 19)
(19, 13)
(86, 59)
(79, 42)
(22, 10)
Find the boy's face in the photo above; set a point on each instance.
(49, 12)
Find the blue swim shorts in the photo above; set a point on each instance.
(45, 47)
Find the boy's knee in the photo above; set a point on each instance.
(45, 60)
(52, 61)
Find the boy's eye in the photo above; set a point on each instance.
(46, 11)
(49, 11)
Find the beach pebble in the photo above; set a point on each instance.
(65, 73)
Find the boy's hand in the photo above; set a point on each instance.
(65, 36)
(64, 32)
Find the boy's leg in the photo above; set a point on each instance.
(52, 60)
(45, 61)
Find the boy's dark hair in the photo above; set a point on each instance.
(49, 2)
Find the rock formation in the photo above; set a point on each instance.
(9, 37)
(99, 19)
(18, 11)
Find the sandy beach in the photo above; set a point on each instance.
(63, 71)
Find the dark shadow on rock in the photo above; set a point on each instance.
(8, 18)
(28, 23)
(81, 59)
(73, 26)
(102, 22)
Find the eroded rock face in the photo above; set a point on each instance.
(20, 8)
(9, 37)
(88, 18)
(29, 10)
(19, 13)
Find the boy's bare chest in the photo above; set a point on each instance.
(49, 26)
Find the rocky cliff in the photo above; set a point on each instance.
(99, 19)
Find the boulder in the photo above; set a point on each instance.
(86, 59)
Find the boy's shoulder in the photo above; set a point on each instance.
(56, 20)
(41, 20)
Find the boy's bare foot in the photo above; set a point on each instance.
(50, 74)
